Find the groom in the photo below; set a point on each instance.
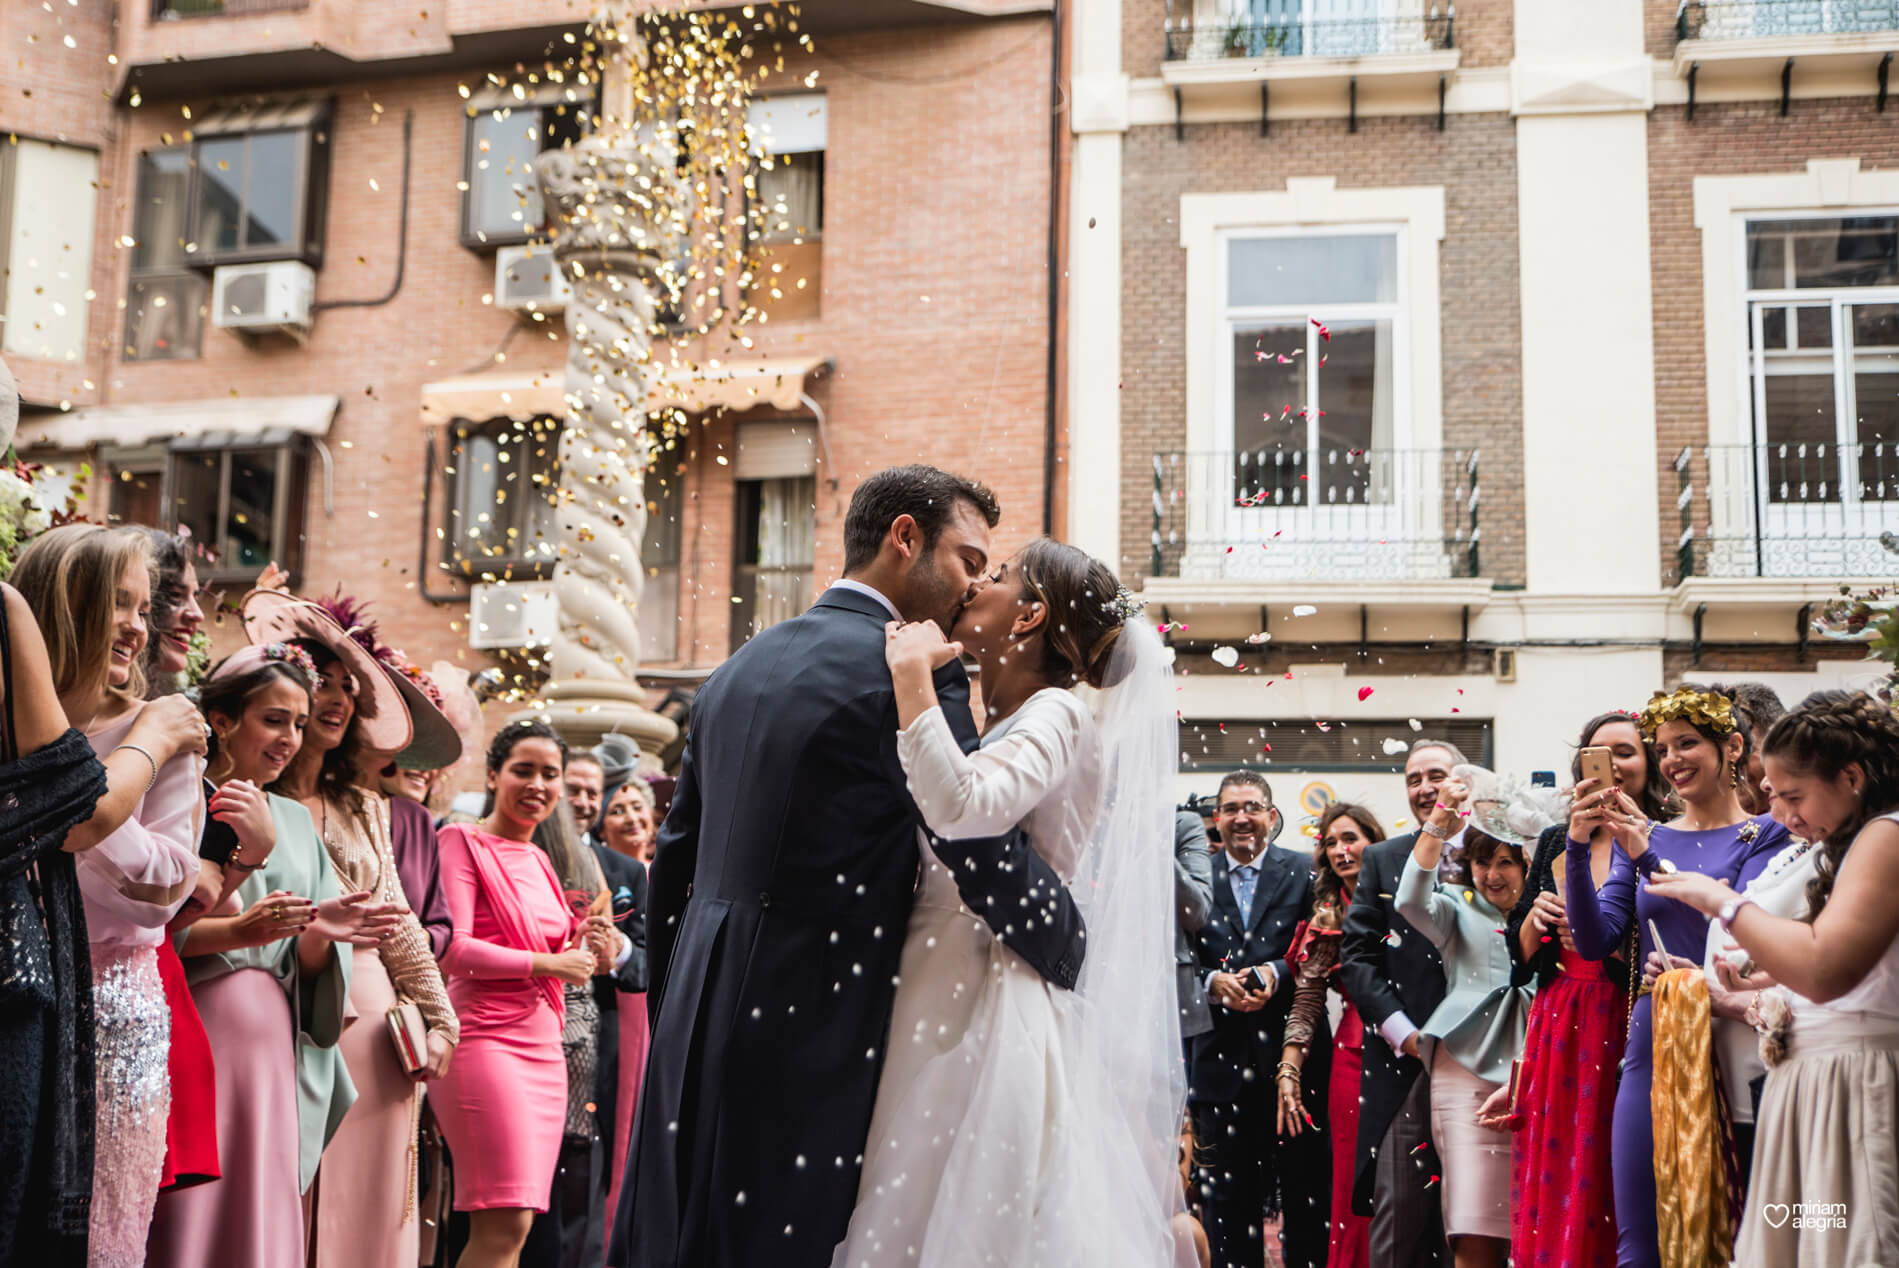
(780, 893)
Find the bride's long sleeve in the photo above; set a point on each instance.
(989, 791)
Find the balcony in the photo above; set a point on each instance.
(1300, 34)
(1729, 42)
(1333, 514)
(1790, 511)
(168, 10)
(1301, 52)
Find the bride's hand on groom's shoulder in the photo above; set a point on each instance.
(917, 645)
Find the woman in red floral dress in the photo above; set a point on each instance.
(1564, 1205)
(1344, 832)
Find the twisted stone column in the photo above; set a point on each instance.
(604, 221)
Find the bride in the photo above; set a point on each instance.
(1017, 1123)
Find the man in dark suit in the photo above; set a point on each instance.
(1396, 980)
(779, 896)
(1260, 894)
(1193, 904)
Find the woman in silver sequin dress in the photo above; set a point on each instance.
(89, 589)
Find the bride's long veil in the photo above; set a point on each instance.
(1125, 1060)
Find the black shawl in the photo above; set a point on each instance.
(45, 964)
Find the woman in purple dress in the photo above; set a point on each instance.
(1701, 749)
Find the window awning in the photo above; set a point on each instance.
(194, 423)
(262, 116)
(693, 389)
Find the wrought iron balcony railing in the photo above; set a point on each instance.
(1337, 513)
(1804, 510)
(1748, 19)
(170, 9)
(1299, 34)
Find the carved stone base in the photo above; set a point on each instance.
(584, 711)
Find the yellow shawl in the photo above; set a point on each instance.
(1694, 1204)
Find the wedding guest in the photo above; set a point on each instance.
(191, 1137)
(572, 1230)
(1345, 830)
(625, 1029)
(1758, 707)
(1193, 904)
(1829, 1119)
(1260, 893)
(1701, 750)
(51, 780)
(502, 1104)
(1563, 1200)
(1473, 1036)
(586, 785)
(272, 985)
(446, 720)
(628, 827)
(177, 616)
(90, 591)
(1393, 974)
(361, 1207)
(619, 759)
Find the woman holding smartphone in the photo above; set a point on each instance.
(503, 1103)
(1564, 1212)
(1701, 749)
(1344, 832)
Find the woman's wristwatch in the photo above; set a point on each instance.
(1730, 909)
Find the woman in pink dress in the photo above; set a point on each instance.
(1344, 832)
(90, 591)
(503, 1103)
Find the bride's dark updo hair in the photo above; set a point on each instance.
(1085, 614)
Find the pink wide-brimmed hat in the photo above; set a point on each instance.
(382, 718)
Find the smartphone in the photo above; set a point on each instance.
(1516, 1080)
(1256, 979)
(1595, 763)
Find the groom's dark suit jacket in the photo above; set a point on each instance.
(779, 898)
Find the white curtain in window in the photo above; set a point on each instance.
(792, 194)
(787, 545)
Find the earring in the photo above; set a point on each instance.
(1734, 775)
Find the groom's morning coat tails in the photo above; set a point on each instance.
(780, 894)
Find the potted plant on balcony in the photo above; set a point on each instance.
(1690, 18)
(1238, 36)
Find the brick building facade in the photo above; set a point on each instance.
(1574, 199)
(923, 334)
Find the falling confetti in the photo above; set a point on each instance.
(1323, 332)
(1395, 747)
(1227, 656)
(1364, 693)
(1303, 609)
(1261, 637)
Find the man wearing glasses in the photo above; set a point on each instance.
(1261, 892)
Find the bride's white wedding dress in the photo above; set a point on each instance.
(990, 1144)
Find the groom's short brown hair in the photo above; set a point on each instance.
(925, 494)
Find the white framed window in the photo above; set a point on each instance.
(1801, 299)
(1314, 324)
(1314, 386)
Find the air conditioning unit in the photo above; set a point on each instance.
(512, 614)
(258, 298)
(529, 280)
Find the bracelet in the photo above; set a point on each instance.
(1431, 829)
(147, 756)
(1287, 1070)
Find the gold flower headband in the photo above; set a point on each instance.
(1702, 708)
